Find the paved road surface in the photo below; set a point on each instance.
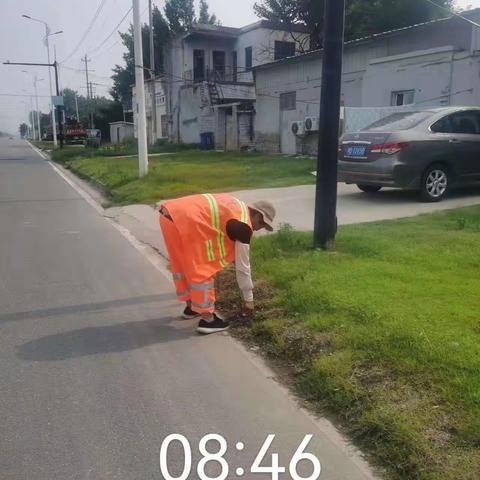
(95, 370)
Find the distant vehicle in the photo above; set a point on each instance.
(430, 150)
(94, 137)
(75, 135)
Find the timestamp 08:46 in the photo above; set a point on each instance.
(259, 465)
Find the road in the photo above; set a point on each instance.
(296, 205)
(96, 368)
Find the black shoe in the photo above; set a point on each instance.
(215, 326)
(189, 314)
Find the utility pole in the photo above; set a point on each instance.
(76, 107)
(54, 122)
(36, 106)
(327, 160)
(92, 101)
(86, 60)
(152, 75)
(60, 123)
(140, 91)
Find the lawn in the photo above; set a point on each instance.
(189, 172)
(385, 333)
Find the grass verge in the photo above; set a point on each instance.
(189, 172)
(384, 333)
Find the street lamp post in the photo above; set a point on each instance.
(37, 114)
(35, 81)
(52, 107)
(31, 117)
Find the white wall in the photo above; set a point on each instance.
(371, 72)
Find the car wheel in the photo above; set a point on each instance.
(435, 183)
(369, 188)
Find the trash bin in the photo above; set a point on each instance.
(207, 141)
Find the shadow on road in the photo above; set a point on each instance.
(84, 308)
(102, 340)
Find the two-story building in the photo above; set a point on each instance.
(155, 109)
(431, 64)
(209, 81)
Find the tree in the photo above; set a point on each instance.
(363, 17)
(104, 110)
(23, 129)
(180, 14)
(204, 15)
(124, 76)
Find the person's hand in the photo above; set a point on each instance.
(249, 306)
(248, 309)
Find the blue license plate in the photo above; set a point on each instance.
(356, 151)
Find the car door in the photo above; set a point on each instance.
(465, 143)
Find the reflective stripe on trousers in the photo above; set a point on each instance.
(203, 296)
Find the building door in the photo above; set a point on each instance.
(219, 65)
(198, 65)
(230, 133)
(118, 134)
(288, 114)
(234, 66)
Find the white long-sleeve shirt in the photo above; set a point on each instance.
(243, 270)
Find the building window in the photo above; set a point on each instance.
(248, 58)
(288, 101)
(284, 50)
(404, 97)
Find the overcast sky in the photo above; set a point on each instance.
(21, 41)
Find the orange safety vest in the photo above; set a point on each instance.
(201, 221)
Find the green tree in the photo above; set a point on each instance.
(124, 75)
(180, 14)
(23, 129)
(204, 15)
(363, 17)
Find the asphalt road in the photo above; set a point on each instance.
(95, 368)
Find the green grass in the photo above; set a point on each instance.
(385, 332)
(190, 172)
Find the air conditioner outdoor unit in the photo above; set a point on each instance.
(298, 128)
(311, 124)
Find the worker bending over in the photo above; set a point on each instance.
(204, 234)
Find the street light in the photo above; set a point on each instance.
(52, 107)
(35, 81)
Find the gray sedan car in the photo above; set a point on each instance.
(429, 150)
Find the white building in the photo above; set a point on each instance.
(121, 131)
(432, 64)
(153, 89)
(209, 80)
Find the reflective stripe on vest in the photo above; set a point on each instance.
(244, 214)
(216, 225)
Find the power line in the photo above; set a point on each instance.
(452, 12)
(111, 33)
(89, 28)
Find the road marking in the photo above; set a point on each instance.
(149, 253)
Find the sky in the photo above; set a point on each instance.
(21, 40)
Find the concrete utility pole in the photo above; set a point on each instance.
(140, 92)
(327, 161)
(76, 107)
(54, 121)
(92, 106)
(86, 60)
(152, 75)
(35, 81)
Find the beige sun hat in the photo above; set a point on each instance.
(268, 212)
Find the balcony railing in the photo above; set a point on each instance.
(219, 75)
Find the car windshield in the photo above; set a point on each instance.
(399, 121)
